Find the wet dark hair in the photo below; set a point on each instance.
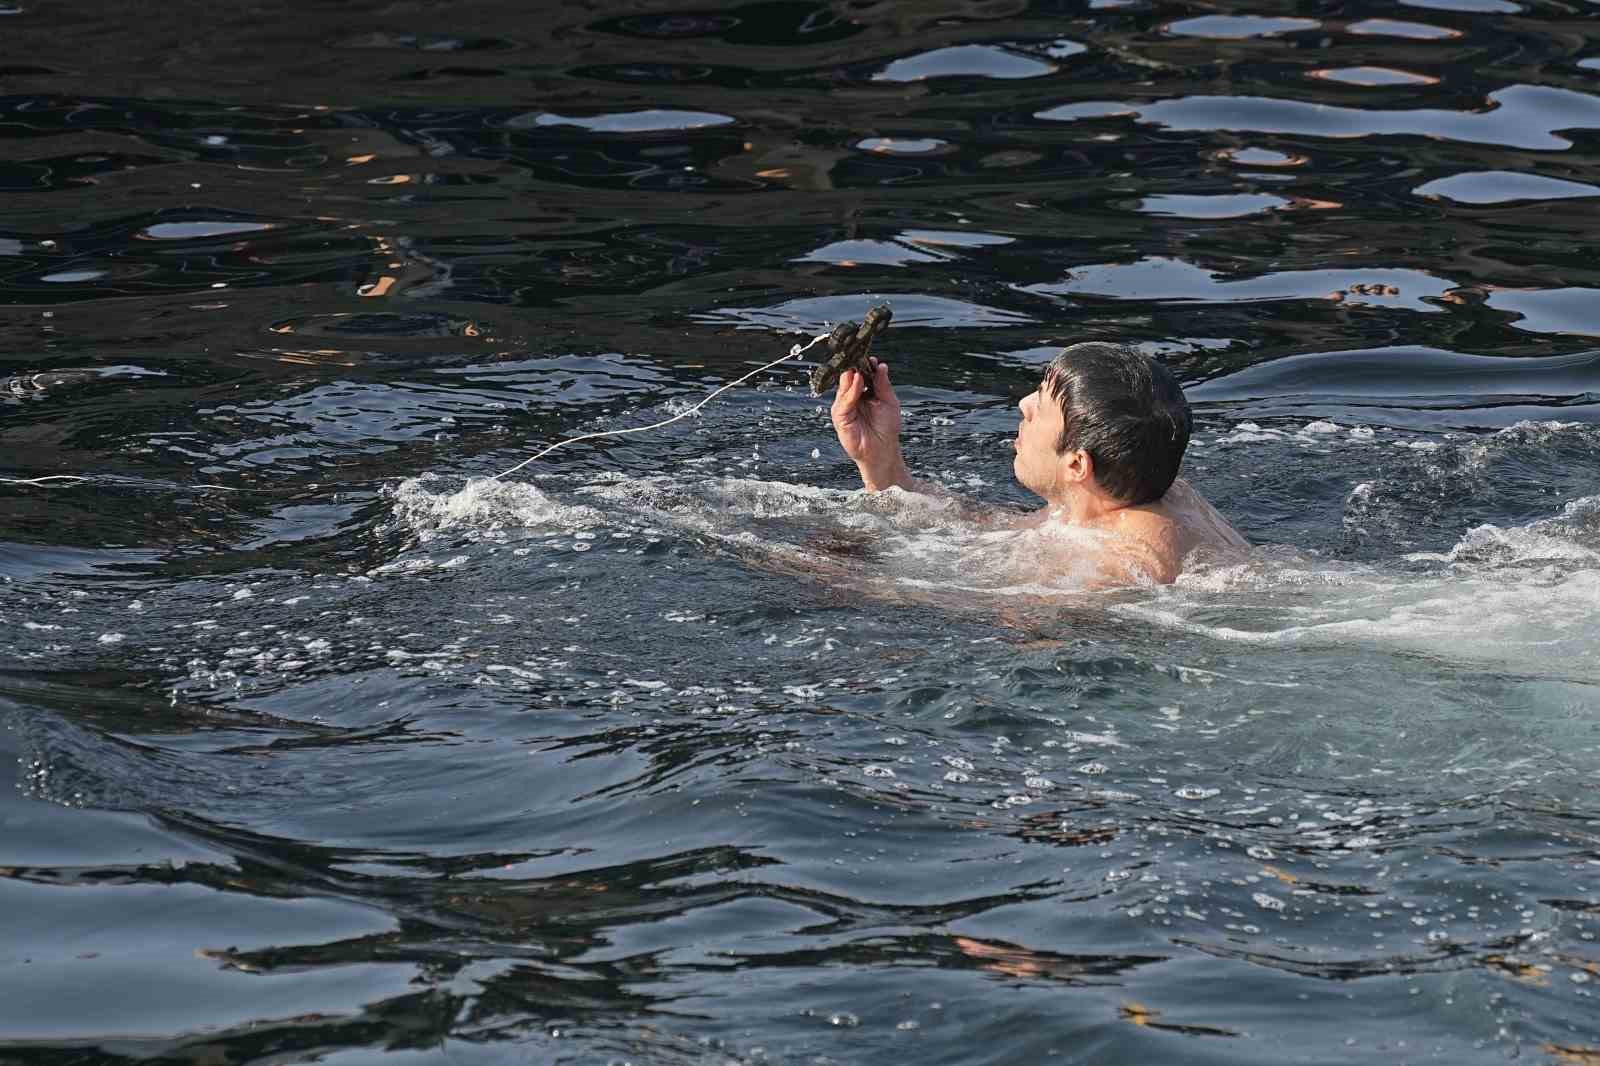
(1127, 411)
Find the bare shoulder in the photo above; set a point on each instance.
(1201, 524)
(1152, 525)
(1143, 544)
(1151, 541)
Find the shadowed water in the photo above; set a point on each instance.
(319, 743)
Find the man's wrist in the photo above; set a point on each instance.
(881, 476)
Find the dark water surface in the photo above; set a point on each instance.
(319, 745)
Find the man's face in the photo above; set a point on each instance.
(1037, 463)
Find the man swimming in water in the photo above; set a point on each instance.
(1100, 440)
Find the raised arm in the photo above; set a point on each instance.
(869, 432)
(868, 428)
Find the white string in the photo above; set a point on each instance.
(40, 480)
(794, 353)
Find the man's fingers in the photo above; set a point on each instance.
(880, 382)
(848, 392)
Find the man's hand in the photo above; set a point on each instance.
(869, 428)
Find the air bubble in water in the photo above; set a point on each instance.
(1266, 902)
(1257, 851)
(1092, 768)
(1195, 792)
(877, 771)
(844, 1019)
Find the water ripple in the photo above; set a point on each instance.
(1518, 116)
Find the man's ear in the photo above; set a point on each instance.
(1077, 466)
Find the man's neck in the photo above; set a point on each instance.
(1085, 507)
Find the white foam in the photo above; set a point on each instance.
(916, 542)
(1317, 434)
(483, 506)
(1526, 596)
(709, 506)
(1042, 561)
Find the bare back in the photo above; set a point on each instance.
(1151, 541)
